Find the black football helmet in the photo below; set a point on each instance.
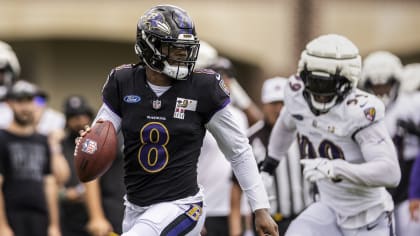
(167, 41)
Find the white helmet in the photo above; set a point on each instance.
(330, 68)
(382, 68)
(410, 79)
(9, 68)
(207, 56)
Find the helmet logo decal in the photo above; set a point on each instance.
(155, 20)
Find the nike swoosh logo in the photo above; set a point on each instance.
(370, 227)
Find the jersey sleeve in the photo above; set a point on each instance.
(110, 93)
(214, 94)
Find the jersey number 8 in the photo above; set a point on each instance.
(153, 155)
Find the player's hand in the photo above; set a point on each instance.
(54, 230)
(99, 227)
(82, 133)
(264, 224)
(414, 208)
(5, 230)
(318, 168)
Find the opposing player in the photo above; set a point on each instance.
(347, 150)
(163, 109)
(382, 75)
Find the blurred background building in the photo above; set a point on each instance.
(69, 46)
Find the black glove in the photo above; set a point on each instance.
(409, 126)
(269, 165)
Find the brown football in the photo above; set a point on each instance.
(96, 151)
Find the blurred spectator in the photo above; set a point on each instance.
(9, 73)
(411, 78)
(238, 96)
(47, 121)
(28, 199)
(81, 210)
(51, 123)
(288, 191)
(213, 164)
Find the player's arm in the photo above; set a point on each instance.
(381, 167)
(281, 139)
(106, 113)
(52, 204)
(97, 224)
(60, 167)
(235, 146)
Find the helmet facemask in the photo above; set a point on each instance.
(387, 92)
(323, 90)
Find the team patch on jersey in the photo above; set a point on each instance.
(224, 87)
(182, 105)
(370, 113)
(89, 146)
(132, 99)
(294, 86)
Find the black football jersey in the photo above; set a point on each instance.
(162, 135)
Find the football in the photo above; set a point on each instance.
(96, 151)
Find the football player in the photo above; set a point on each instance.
(343, 139)
(163, 109)
(382, 75)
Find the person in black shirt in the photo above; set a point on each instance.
(28, 196)
(163, 109)
(80, 214)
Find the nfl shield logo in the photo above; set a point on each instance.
(89, 146)
(157, 104)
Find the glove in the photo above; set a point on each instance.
(317, 169)
(409, 126)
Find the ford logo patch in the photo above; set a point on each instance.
(132, 99)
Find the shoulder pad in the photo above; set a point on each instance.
(362, 109)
